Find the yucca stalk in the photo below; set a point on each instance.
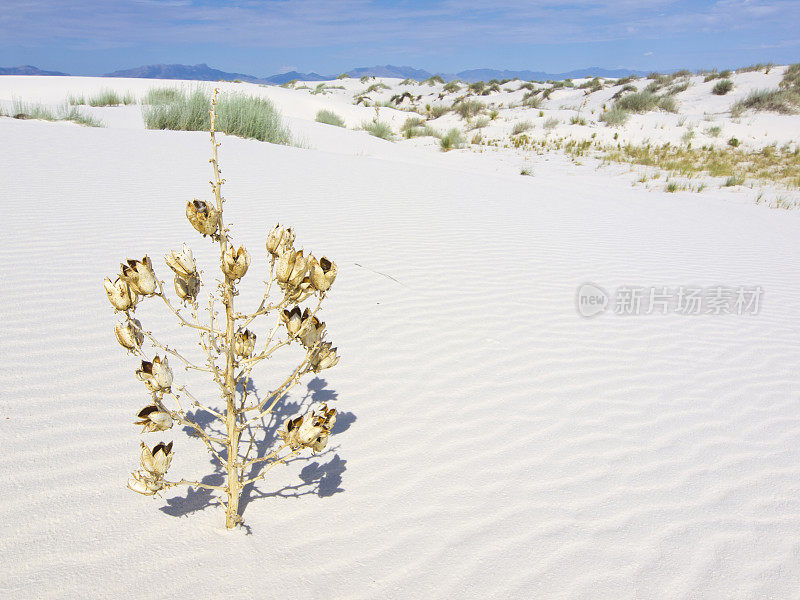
(299, 278)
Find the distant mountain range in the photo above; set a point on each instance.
(203, 72)
(28, 70)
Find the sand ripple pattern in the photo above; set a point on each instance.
(501, 447)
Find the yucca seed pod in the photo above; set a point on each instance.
(151, 418)
(323, 357)
(156, 375)
(140, 276)
(312, 332)
(203, 217)
(291, 269)
(129, 334)
(182, 262)
(279, 240)
(322, 272)
(288, 432)
(187, 287)
(235, 262)
(145, 483)
(244, 343)
(120, 294)
(157, 460)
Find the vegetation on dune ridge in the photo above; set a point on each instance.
(237, 114)
(777, 165)
(66, 112)
(379, 129)
(329, 118)
(452, 140)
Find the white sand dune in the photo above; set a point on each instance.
(492, 442)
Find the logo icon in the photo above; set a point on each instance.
(591, 300)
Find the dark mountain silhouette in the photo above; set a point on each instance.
(285, 77)
(29, 70)
(200, 72)
(390, 71)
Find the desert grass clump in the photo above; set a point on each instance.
(551, 123)
(433, 80)
(375, 87)
(722, 87)
(783, 101)
(479, 123)
(452, 140)
(615, 117)
(521, 127)
(67, 112)
(242, 432)
(451, 86)
(110, 98)
(437, 110)
(237, 114)
(162, 95)
(532, 99)
(329, 118)
(638, 102)
(467, 108)
(379, 129)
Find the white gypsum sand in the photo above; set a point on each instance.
(491, 441)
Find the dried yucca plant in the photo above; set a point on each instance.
(230, 349)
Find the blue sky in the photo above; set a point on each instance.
(265, 37)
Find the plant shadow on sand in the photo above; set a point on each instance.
(322, 477)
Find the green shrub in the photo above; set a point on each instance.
(162, 95)
(343, 76)
(521, 127)
(330, 118)
(782, 101)
(379, 129)
(412, 122)
(479, 123)
(477, 87)
(714, 131)
(438, 110)
(733, 142)
(451, 140)
(791, 78)
(616, 117)
(433, 80)
(531, 100)
(639, 102)
(376, 87)
(25, 110)
(451, 86)
(238, 114)
(577, 120)
(408, 81)
(668, 104)
(110, 98)
(722, 87)
(468, 108)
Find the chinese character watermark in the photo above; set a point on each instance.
(592, 300)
